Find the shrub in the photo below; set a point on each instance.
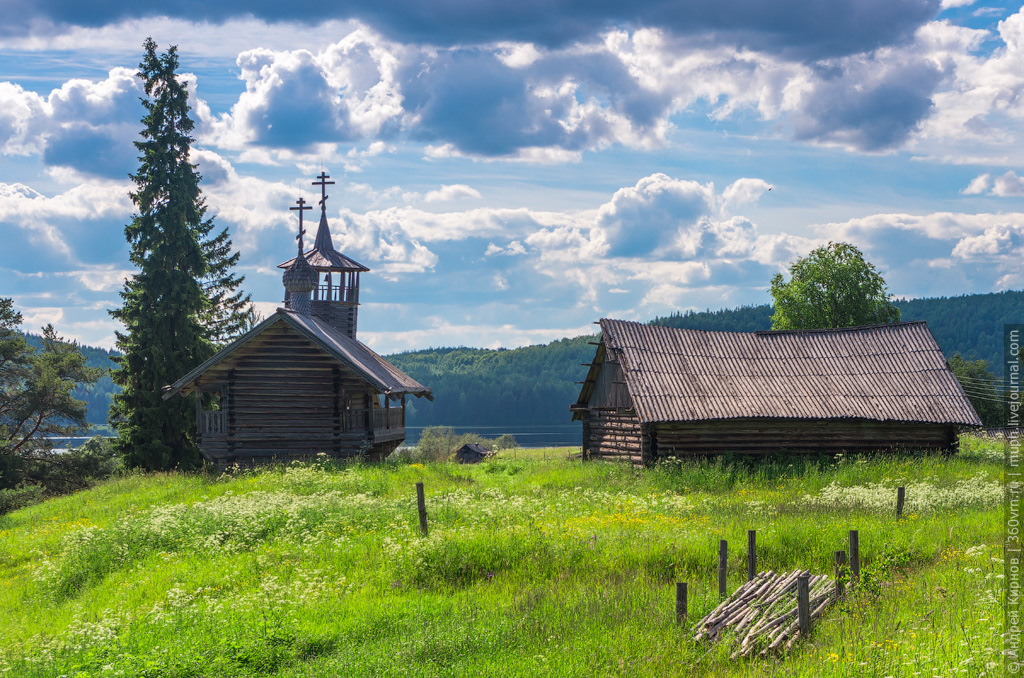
(506, 441)
(18, 497)
(438, 443)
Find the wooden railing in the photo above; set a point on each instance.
(212, 423)
(388, 419)
(336, 293)
(391, 419)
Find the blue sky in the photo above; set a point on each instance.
(511, 172)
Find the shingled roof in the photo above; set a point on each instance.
(356, 355)
(323, 256)
(885, 373)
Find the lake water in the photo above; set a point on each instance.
(556, 435)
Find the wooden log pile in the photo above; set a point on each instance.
(762, 614)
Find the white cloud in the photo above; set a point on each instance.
(978, 185)
(999, 242)
(744, 192)
(1008, 184)
(451, 192)
(82, 124)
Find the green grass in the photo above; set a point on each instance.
(536, 564)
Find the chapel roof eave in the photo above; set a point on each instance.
(370, 366)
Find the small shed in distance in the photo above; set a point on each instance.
(472, 453)
(660, 391)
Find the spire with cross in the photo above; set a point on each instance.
(323, 184)
(302, 207)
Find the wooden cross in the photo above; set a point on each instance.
(300, 209)
(323, 184)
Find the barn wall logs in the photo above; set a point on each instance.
(287, 399)
(759, 436)
(611, 434)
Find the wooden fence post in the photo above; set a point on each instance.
(840, 573)
(855, 555)
(901, 495)
(421, 504)
(803, 603)
(723, 565)
(681, 602)
(751, 554)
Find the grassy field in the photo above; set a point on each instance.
(535, 565)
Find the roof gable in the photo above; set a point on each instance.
(353, 354)
(885, 372)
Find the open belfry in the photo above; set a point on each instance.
(300, 383)
(335, 298)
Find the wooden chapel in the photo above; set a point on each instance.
(300, 383)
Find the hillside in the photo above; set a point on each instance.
(532, 567)
(535, 385)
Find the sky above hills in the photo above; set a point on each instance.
(511, 172)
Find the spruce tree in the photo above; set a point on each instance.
(165, 302)
(229, 312)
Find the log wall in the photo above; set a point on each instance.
(612, 434)
(288, 399)
(760, 436)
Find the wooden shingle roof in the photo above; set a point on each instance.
(885, 373)
(377, 371)
(323, 256)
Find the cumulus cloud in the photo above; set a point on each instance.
(1006, 185)
(999, 242)
(978, 185)
(52, 223)
(978, 111)
(939, 253)
(650, 215)
(744, 192)
(867, 103)
(451, 192)
(296, 99)
(86, 125)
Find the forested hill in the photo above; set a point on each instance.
(98, 396)
(505, 387)
(535, 385)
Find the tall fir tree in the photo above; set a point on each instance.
(229, 312)
(184, 298)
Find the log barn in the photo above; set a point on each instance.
(300, 383)
(655, 392)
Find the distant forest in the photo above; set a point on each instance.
(534, 386)
(98, 396)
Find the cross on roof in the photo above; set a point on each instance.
(302, 207)
(323, 184)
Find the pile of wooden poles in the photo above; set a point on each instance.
(764, 613)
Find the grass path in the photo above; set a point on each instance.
(535, 565)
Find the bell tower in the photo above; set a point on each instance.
(335, 298)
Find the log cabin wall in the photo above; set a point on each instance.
(613, 434)
(761, 436)
(286, 398)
